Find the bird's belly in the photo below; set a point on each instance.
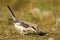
(18, 27)
(21, 27)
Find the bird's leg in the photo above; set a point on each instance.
(21, 32)
(24, 32)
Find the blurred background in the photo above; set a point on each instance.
(41, 12)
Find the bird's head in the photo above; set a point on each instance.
(34, 28)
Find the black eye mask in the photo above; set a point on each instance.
(33, 28)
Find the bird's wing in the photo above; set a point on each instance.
(24, 24)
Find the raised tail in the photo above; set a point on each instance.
(12, 14)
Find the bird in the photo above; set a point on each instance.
(22, 25)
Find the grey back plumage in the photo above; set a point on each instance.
(28, 24)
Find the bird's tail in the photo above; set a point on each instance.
(12, 14)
